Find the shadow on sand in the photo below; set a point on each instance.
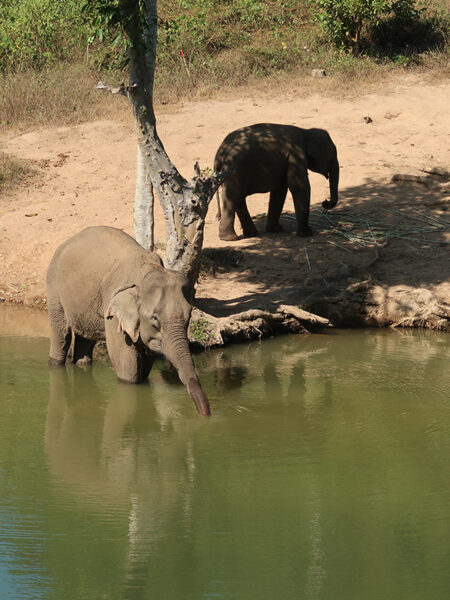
(391, 233)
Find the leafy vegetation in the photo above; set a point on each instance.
(343, 21)
(36, 33)
(200, 331)
(204, 44)
(379, 26)
(199, 35)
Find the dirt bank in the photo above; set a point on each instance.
(380, 258)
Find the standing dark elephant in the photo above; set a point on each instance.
(101, 284)
(273, 158)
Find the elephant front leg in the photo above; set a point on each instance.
(60, 335)
(301, 198)
(276, 203)
(128, 362)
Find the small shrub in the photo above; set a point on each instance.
(200, 331)
(13, 170)
(404, 35)
(343, 21)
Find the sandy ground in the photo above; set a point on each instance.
(86, 176)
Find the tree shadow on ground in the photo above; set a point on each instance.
(393, 233)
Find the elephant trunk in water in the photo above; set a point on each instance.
(175, 347)
(333, 175)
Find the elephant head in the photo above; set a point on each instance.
(155, 312)
(321, 155)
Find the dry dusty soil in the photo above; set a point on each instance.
(381, 257)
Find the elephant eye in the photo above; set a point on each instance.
(155, 321)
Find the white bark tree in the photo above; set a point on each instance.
(144, 224)
(185, 203)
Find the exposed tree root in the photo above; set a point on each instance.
(208, 331)
(365, 303)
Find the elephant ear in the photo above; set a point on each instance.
(318, 151)
(124, 306)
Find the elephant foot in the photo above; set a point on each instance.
(131, 381)
(305, 232)
(228, 237)
(85, 361)
(327, 204)
(276, 228)
(250, 231)
(56, 362)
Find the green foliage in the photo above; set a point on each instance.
(105, 23)
(201, 44)
(401, 37)
(343, 21)
(215, 39)
(34, 33)
(201, 331)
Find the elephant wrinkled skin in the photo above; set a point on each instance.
(101, 284)
(273, 158)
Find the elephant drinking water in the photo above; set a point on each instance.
(101, 284)
(273, 158)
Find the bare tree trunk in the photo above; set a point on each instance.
(143, 204)
(184, 203)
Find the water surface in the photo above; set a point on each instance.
(322, 474)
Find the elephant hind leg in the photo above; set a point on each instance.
(233, 202)
(60, 335)
(226, 223)
(276, 203)
(248, 227)
(82, 350)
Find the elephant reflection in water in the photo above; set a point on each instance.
(282, 371)
(228, 374)
(112, 449)
(282, 376)
(120, 450)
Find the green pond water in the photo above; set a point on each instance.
(323, 473)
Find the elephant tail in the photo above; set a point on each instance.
(217, 168)
(218, 214)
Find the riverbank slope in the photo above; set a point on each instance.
(381, 257)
